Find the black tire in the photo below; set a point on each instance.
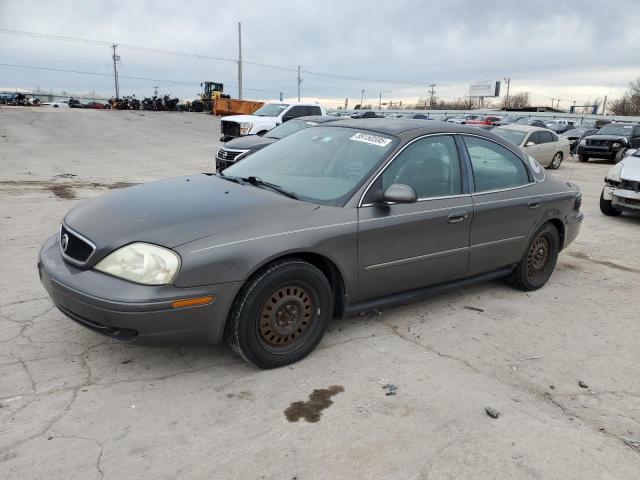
(619, 156)
(280, 314)
(556, 161)
(535, 268)
(583, 158)
(606, 207)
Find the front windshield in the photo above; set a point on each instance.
(270, 110)
(613, 129)
(514, 136)
(288, 128)
(321, 164)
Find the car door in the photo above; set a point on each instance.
(532, 145)
(407, 246)
(548, 147)
(505, 209)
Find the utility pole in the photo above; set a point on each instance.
(380, 101)
(361, 99)
(508, 82)
(558, 104)
(116, 58)
(432, 92)
(155, 91)
(239, 61)
(604, 106)
(299, 82)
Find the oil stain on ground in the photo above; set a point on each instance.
(311, 410)
(63, 191)
(584, 256)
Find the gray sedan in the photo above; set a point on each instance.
(331, 220)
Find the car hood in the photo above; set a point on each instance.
(606, 137)
(246, 118)
(249, 142)
(177, 211)
(631, 169)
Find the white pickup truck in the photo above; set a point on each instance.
(265, 118)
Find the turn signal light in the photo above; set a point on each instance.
(192, 302)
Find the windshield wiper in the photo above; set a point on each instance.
(261, 183)
(230, 178)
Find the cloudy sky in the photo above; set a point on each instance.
(572, 50)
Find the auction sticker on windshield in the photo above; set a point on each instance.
(371, 139)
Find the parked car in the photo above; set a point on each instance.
(94, 105)
(610, 142)
(461, 119)
(576, 134)
(485, 120)
(621, 192)
(75, 103)
(508, 120)
(532, 122)
(366, 114)
(238, 148)
(56, 104)
(265, 118)
(545, 146)
(264, 254)
(560, 126)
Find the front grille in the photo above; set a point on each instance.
(629, 185)
(74, 247)
(227, 155)
(598, 143)
(230, 129)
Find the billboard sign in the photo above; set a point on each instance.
(485, 88)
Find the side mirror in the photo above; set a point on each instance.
(286, 118)
(529, 144)
(399, 193)
(260, 134)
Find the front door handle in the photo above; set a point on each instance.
(457, 217)
(533, 204)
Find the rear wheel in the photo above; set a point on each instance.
(539, 260)
(280, 314)
(556, 161)
(606, 207)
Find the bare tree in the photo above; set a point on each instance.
(519, 100)
(629, 103)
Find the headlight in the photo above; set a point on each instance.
(583, 141)
(616, 145)
(613, 175)
(142, 263)
(245, 127)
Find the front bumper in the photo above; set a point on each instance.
(621, 199)
(131, 312)
(597, 152)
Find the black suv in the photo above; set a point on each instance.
(610, 142)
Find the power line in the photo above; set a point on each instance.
(130, 77)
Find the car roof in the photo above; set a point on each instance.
(523, 128)
(394, 126)
(319, 118)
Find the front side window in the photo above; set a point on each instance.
(320, 164)
(430, 166)
(494, 166)
(547, 137)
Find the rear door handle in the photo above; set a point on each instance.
(457, 217)
(533, 204)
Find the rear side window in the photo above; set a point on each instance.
(312, 110)
(494, 166)
(547, 137)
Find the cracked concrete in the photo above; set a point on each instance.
(77, 405)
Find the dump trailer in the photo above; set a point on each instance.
(232, 106)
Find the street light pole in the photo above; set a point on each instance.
(508, 82)
(361, 99)
(380, 100)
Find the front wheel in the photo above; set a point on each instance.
(620, 155)
(556, 161)
(583, 158)
(606, 207)
(539, 260)
(280, 314)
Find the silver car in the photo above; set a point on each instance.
(542, 144)
(340, 218)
